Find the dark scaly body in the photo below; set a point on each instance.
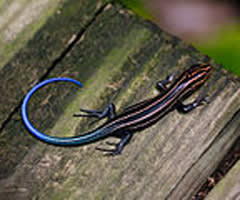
(142, 114)
(148, 112)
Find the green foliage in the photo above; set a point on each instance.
(136, 6)
(225, 48)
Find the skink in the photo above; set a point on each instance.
(135, 117)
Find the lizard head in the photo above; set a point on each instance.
(197, 75)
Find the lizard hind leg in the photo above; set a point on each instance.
(125, 139)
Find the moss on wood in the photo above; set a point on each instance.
(119, 58)
(43, 51)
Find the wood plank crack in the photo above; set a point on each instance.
(235, 119)
(68, 48)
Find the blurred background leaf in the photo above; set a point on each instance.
(225, 48)
(221, 43)
(137, 6)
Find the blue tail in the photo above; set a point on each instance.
(62, 141)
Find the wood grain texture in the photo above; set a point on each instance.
(43, 51)
(229, 187)
(19, 20)
(119, 58)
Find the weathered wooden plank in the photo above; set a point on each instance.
(229, 187)
(43, 51)
(94, 52)
(119, 58)
(19, 20)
